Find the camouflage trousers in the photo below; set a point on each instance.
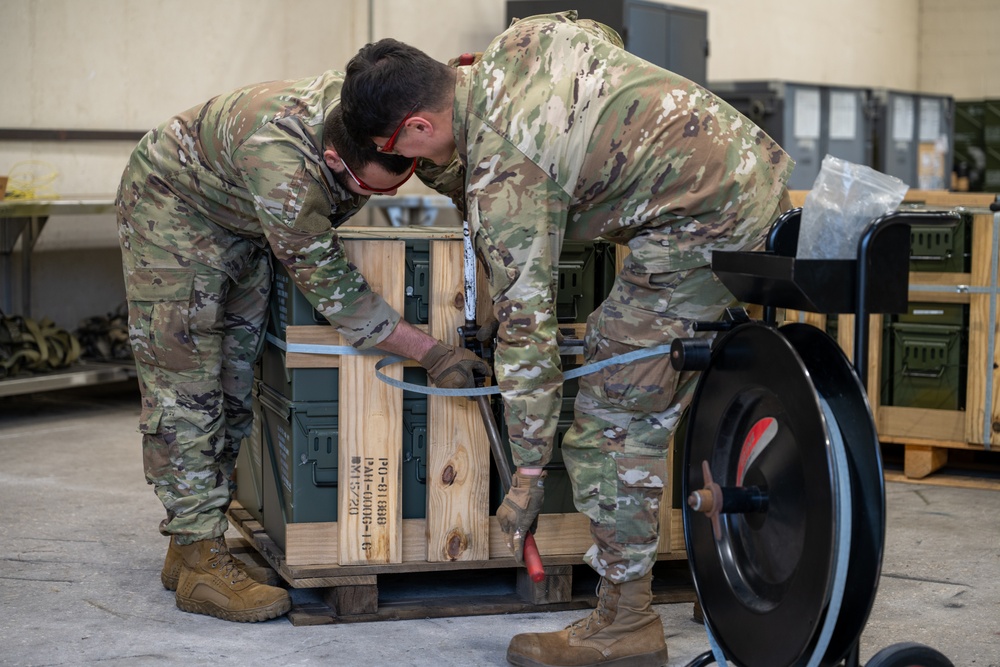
(196, 332)
(625, 415)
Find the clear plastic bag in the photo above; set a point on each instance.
(843, 200)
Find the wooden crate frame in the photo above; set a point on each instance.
(458, 530)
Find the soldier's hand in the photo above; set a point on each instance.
(453, 367)
(518, 513)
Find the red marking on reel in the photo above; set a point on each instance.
(757, 440)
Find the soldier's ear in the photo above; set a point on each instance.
(333, 160)
(421, 125)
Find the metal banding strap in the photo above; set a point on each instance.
(587, 369)
(305, 348)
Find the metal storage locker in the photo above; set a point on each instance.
(674, 38)
(914, 138)
(808, 120)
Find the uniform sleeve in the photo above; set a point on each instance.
(294, 207)
(517, 215)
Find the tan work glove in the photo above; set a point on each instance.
(453, 367)
(518, 513)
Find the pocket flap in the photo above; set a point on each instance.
(149, 419)
(160, 284)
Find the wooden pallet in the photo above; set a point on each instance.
(411, 590)
(939, 463)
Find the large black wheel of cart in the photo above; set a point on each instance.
(908, 654)
(782, 454)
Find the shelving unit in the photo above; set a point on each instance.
(928, 434)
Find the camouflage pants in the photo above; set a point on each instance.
(195, 332)
(625, 415)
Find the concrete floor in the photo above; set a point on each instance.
(80, 557)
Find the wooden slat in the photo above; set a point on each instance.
(321, 335)
(941, 198)
(371, 429)
(458, 465)
(367, 233)
(941, 479)
(897, 424)
(983, 362)
(946, 199)
(948, 280)
(311, 544)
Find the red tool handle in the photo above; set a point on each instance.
(532, 561)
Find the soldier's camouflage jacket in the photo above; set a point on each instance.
(247, 168)
(565, 135)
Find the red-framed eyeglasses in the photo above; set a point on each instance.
(362, 184)
(389, 145)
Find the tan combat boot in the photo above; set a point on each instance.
(172, 564)
(211, 583)
(622, 631)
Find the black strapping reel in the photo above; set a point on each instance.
(785, 522)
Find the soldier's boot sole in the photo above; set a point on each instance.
(266, 613)
(657, 659)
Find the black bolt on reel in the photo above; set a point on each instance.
(785, 515)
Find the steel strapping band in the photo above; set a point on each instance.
(587, 369)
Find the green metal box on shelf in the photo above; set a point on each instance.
(942, 248)
(558, 489)
(925, 356)
(301, 458)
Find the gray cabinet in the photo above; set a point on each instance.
(674, 38)
(914, 137)
(809, 121)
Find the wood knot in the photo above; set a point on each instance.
(448, 475)
(459, 301)
(456, 544)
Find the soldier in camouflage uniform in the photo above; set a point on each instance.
(561, 134)
(203, 199)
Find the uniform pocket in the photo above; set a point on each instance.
(160, 317)
(641, 480)
(149, 419)
(646, 385)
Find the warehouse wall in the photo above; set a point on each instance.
(960, 48)
(129, 64)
